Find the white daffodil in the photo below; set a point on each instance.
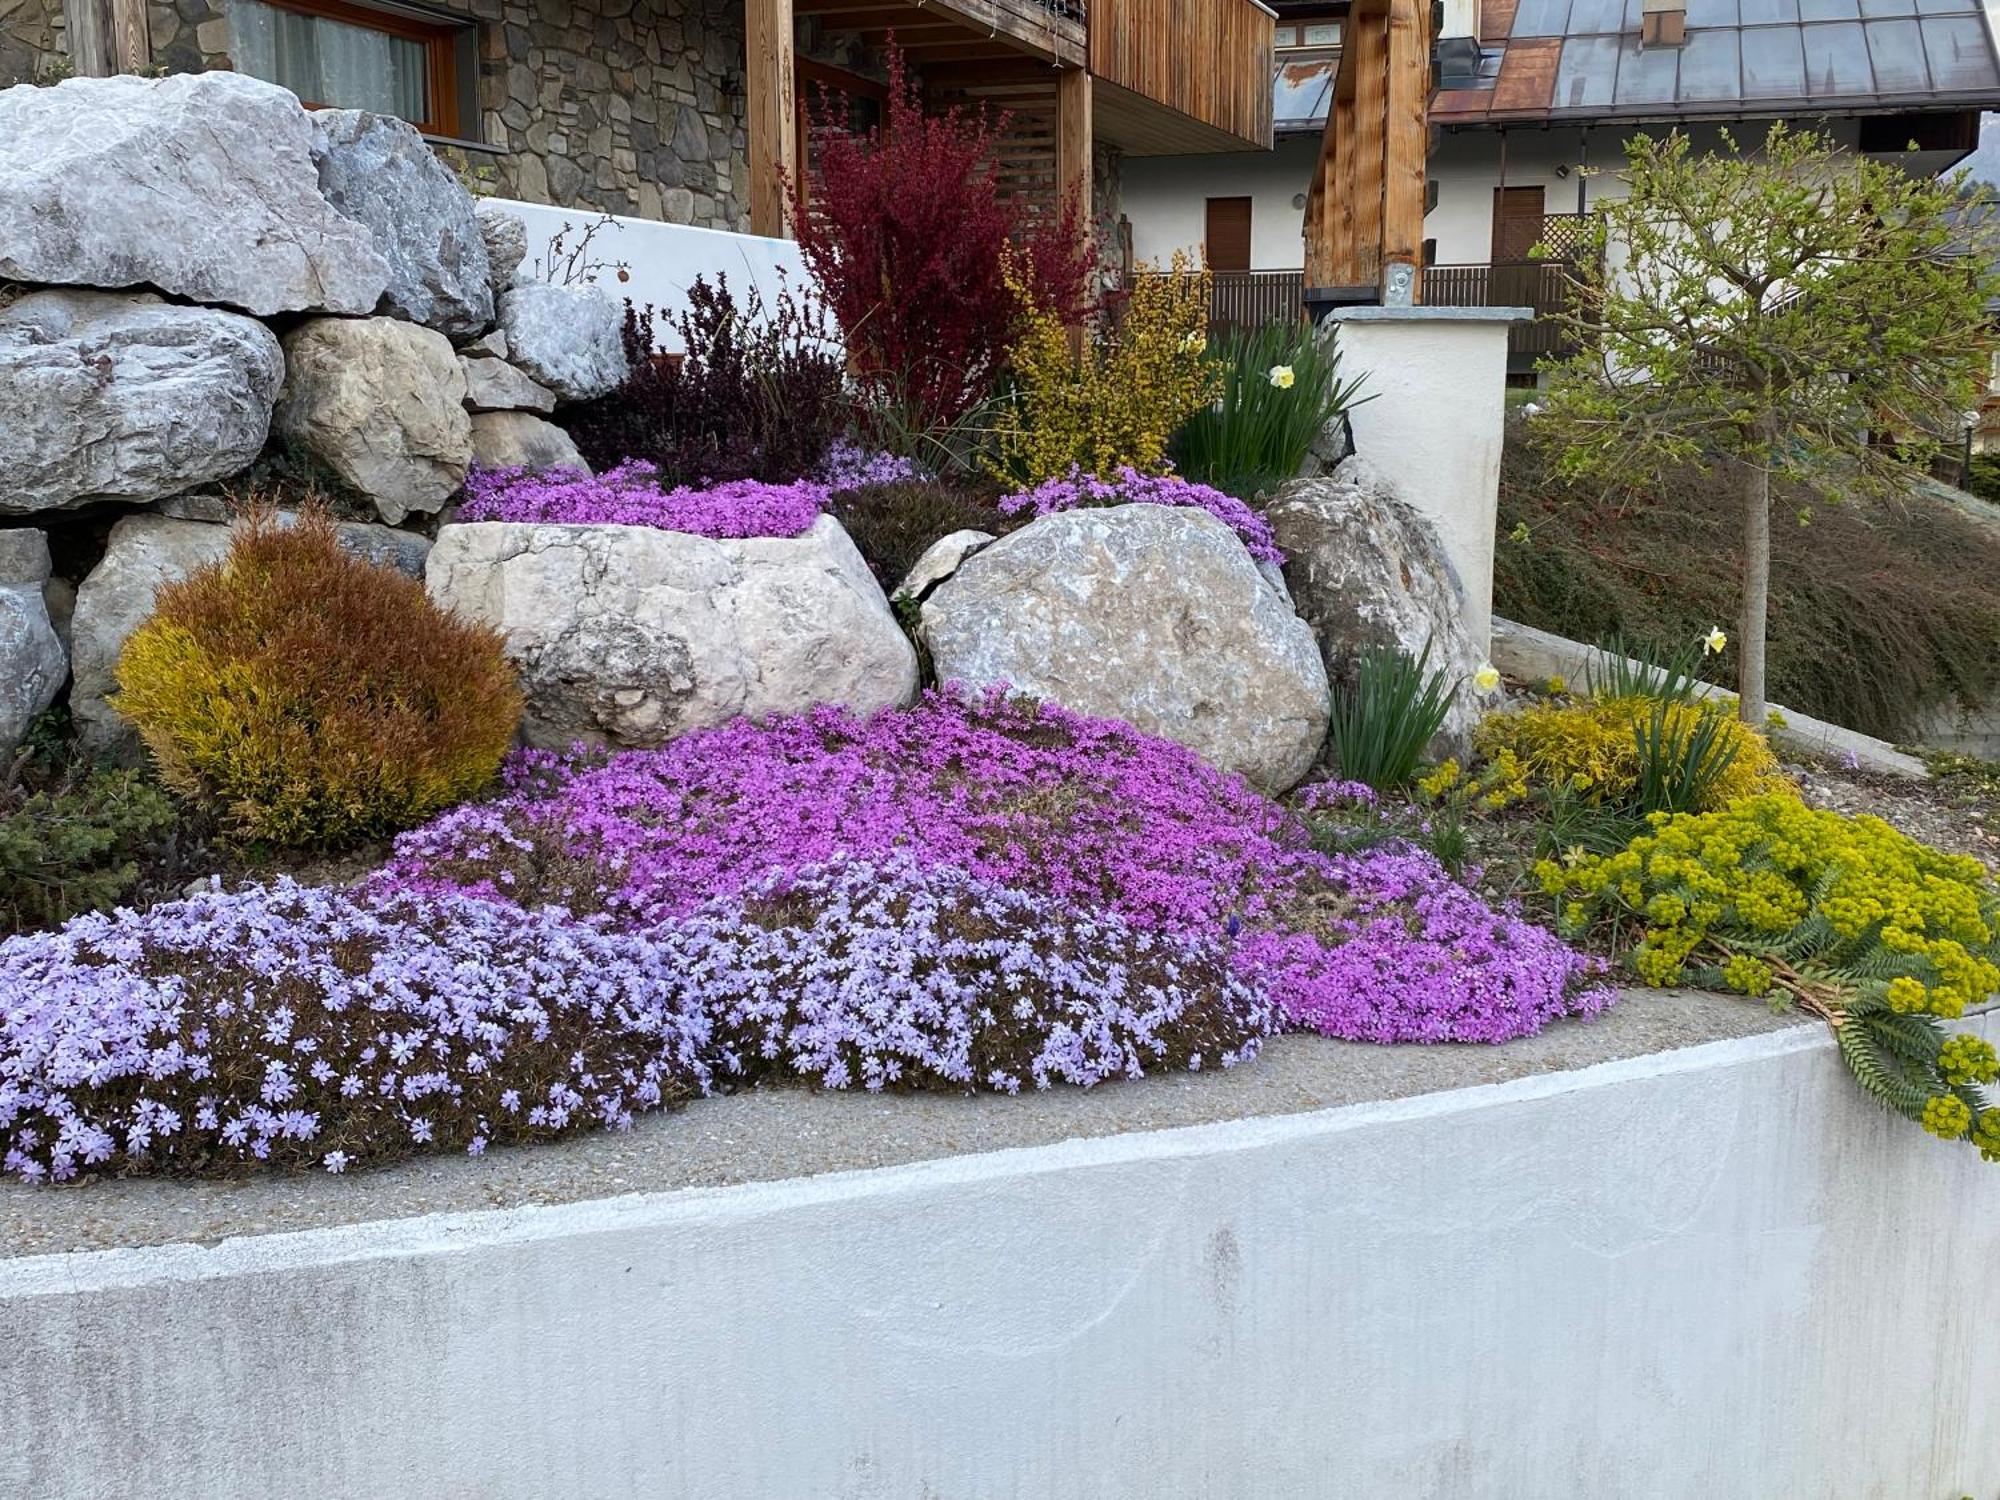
(1487, 678)
(1194, 343)
(1714, 641)
(1282, 377)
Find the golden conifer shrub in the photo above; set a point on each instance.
(312, 698)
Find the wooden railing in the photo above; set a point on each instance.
(1250, 299)
(1207, 59)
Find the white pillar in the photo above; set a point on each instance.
(1438, 376)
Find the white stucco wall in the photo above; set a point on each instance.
(1702, 1274)
(662, 260)
(1166, 198)
(1438, 377)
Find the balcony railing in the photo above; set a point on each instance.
(1250, 299)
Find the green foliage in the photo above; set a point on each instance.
(1881, 936)
(1281, 386)
(1983, 478)
(73, 839)
(1384, 719)
(1638, 754)
(1880, 608)
(1626, 672)
(1767, 315)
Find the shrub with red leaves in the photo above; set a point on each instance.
(908, 232)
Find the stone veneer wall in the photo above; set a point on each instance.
(619, 106)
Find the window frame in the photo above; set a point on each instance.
(439, 37)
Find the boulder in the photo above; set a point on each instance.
(1148, 613)
(33, 662)
(115, 396)
(199, 184)
(381, 403)
(939, 561)
(521, 440)
(570, 338)
(379, 171)
(629, 635)
(1366, 570)
(506, 240)
(495, 385)
(143, 553)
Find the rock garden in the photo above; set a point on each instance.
(436, 720)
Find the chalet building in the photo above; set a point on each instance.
(695, 111)
(1530, 95)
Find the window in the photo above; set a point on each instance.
(336, 55)
(1308, 34)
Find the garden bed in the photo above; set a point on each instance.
(773, 1133)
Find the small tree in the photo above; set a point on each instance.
(1802, 312)
(909, 234)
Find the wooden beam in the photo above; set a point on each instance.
(1074, 146)
(131, 36)
(1367, 36)
(1407, 138)
(771, 110)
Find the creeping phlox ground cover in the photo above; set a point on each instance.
(993, 894)
(631, 495)
(1077, 490)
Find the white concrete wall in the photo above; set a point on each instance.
(1715, 1274)
(1438, 377)
(1166, 198)
(662, 259)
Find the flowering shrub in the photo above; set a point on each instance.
(1597, 747)
(907, 233)
(1881, 935)
(760, 392)
(1076, 489)
(299, 1026)
(313, 698)
(1118, 401)
(848, 466)
(631, 495)
(891, 975)
(1085, 813)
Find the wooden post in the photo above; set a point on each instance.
(87, 32)
(771, 87)
(1074, 144)
(1367, 35)
(1341, 249)
(1407, 78)
(131, 36)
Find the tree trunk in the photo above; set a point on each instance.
(1756, 482)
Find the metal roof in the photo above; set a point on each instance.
(1302, 92)
(1582, 59)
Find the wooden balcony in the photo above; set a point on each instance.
(1176, 76)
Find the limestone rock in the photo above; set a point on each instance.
(24, 556)
(199, 184)
(569, 338)
(521, 440)
(495, 385)
(629, 635)
(1147, 613)
(116, 396)
(379, 171)
(382, 403)
(33, 664)
(506, 240)
(1366, 570)
(940, 560)
(491, 344)
(145, 552)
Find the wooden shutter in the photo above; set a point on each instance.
(1228, 234)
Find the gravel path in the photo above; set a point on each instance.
(766, 1134)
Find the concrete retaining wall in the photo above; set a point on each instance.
(1709, 1273)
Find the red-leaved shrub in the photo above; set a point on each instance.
(908, 233)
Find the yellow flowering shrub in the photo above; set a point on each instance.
(1882, 936)
(1114, 399)
(1591, 747)
(1500, 783)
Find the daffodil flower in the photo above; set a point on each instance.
(1715, 640)
(1282, 377)
(1487, 678)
